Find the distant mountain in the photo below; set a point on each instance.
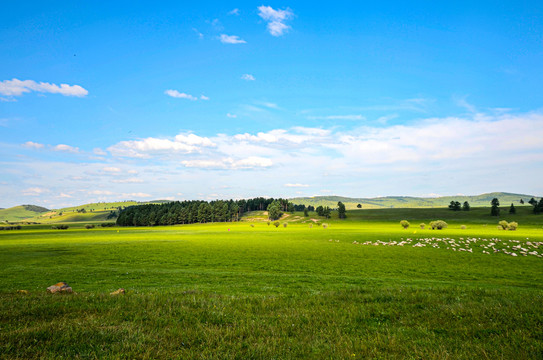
(413, 202)
(18, 213)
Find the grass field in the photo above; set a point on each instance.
(251, 290)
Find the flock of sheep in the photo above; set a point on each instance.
(486, 246)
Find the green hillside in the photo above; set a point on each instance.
(413, 202)
(18, 213)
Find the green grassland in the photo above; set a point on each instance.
(358, 288)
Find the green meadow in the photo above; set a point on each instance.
(358, 288)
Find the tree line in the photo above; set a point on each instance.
(199, 211)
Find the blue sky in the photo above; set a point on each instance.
(204, 100)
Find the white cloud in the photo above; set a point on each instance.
(275, 19)
(248, 77)
(66, 148)
(203, 97)
(127, 181)
(145, 148)
(17, 87)
(192, 139)
(229, 163)
(180, 95)
(296, 185)
(99, 151)
(34, 191)
(231, 39)
(63, 195)
(234, 12)
(111, 169)
(233, 116)
(32, 145)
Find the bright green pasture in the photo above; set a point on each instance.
(232, 290)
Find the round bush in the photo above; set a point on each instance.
(405, 224)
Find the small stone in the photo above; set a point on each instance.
(60, 287)
(118, 292)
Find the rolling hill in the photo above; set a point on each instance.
(21, 212)
(412, 202)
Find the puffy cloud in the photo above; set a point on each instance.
(144, 148)
(203, 97)
(34, 191)
(111, 169)
(180, 95)
(248, 77)
(275, 19)
(66, 148)
(231, 39)
(32, 145)
(17, 87)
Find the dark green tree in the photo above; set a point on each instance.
(319, 210)
(538, 208)
(495, 210)
(454, 206)
(359, 206)
(341, 210)
(306, 213)
(466, 206)
(512, 209)
(275, 210)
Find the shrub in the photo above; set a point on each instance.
(18, 227)
(285, 224)
(252, 225)
(108, 224)
(269, 223)
(503, 224)
(405, 224)
(276, 224)
(89, 226)
(438, 224)
(463, 227)
(422, 225)
(60, 227)
(324, 226)
(513, 225)
(310, 226)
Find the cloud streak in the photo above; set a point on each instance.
(231, 39)
(16, 87)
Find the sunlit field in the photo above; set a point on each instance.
(363, 287)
